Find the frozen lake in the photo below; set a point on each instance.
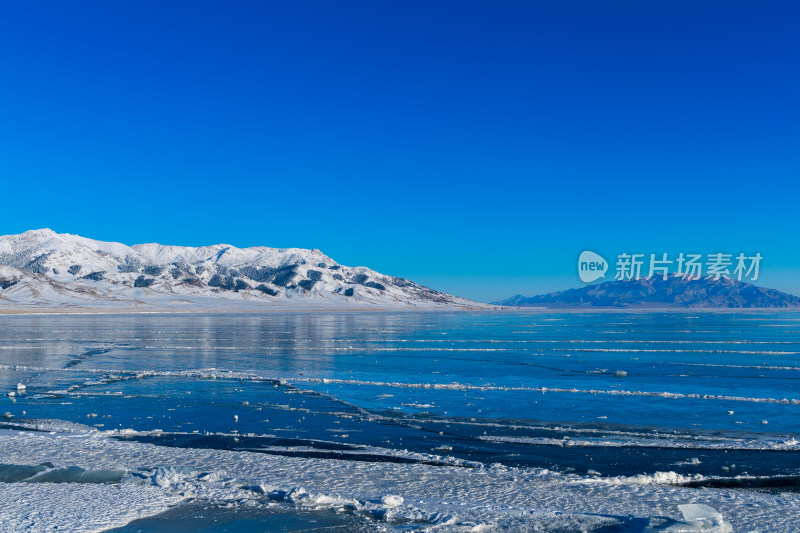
(602, 421)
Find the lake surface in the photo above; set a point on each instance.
(711, 398)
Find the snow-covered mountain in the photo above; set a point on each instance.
(42, 268)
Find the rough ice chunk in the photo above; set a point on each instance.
(76, 474)
(166, 477)
(699, 518)
(392, 500)
(46, 473)
(14, 473)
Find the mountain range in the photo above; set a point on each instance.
(42, 268)
(656, 292)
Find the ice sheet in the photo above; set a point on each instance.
(440, 497)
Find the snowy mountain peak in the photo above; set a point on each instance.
(45, 268)
(33, 233)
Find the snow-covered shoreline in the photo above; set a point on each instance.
(72, 311)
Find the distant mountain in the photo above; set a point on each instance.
(41, 268)
(659, 293)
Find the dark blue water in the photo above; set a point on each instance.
(602, 393)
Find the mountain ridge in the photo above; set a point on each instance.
(674, 292)
(42, 268)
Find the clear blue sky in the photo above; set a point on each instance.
(476, 147)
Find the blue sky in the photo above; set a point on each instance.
(473, 146)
